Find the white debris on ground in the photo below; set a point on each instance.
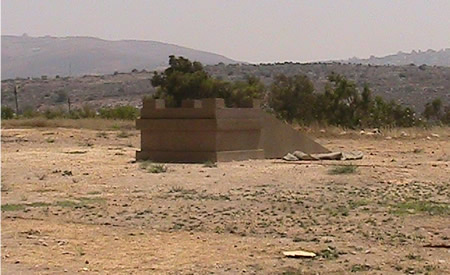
(299, 155)
(372, 132)
(299, 254)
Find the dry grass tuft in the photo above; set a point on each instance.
(343, 169)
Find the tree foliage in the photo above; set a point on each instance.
(242, 93)
(342, 100)
(342, 104)
(292, 98)
(184, 79)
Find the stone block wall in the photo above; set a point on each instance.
(205, 130)
(199, 131)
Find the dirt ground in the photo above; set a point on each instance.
(75, 201)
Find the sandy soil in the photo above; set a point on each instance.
(75, 201)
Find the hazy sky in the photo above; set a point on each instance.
(254, 31)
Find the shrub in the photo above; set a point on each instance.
(84, 112)
(7, 112)
(123, 134)
(157, 168)
(436, 113)
(61, 96)
(153, 167)
(343, 169)
(446, 117)
(209, 164)
(28, 112)
(55, 113)
(120, 112)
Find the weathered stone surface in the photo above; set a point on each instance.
(205, 130)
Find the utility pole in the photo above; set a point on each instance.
(68, 102)
(16, 87)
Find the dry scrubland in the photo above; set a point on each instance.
(85, 123)
(408, 85)
(74, 200)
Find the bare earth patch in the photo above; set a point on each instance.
(75, 201)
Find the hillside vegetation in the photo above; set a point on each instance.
(292, 98)
(409, 85)
(412, 86)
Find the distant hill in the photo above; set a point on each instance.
(24, 56)
(429, 57)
